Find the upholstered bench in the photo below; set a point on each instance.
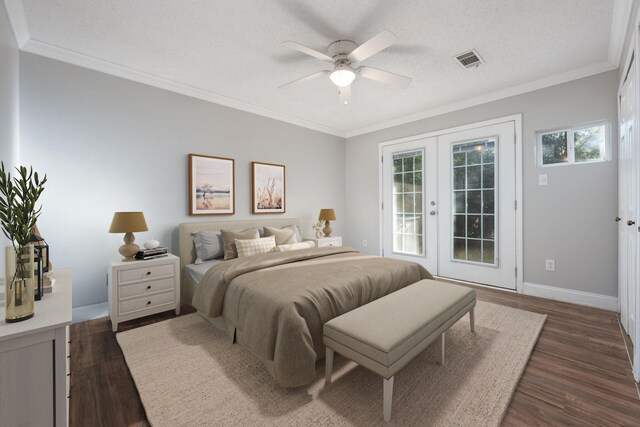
(386, 334)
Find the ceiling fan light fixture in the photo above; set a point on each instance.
(342, 76)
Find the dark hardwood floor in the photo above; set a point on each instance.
(578, 374)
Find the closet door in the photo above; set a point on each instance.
(627, 204)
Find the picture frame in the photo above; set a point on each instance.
(268, 188)
(211, 185)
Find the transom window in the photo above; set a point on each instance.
(584, 144)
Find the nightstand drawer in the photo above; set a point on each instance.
(145, 288)
(153, 301)
(144, 273)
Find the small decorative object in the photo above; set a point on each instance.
(268, 188)
(38, 277)
(327, 215)
(41, 259)
(128, 222)
(18, 215)
(40, 244)
(211, 185)
(151, 244)
(317, 227)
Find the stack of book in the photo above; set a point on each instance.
(152, 253)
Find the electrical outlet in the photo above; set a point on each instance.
(550, 264)
(364, 243)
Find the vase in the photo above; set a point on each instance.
(19, 283)
(318, 234)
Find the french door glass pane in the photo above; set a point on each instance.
(407, 202)
(474, 202)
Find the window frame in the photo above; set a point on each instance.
(570, 130)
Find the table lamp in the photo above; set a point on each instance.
(327, 215)
(128, 222)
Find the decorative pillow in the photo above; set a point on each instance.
(294, 246)
(255, 246)
(229, 240)
(208, 245)
(296, 229)
(284, 236)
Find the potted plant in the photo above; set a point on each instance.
(18, 215)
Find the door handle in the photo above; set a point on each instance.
(630, 222)
(617, 219)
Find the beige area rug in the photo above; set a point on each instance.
(189, 374)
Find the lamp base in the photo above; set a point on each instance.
(129, 249)
(327, 229)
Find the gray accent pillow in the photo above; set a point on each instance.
(284, 235)
(208, 245)
(229, 240)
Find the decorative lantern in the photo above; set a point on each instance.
(37, 273)
(41, 262)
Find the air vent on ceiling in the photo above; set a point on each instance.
(470, 59)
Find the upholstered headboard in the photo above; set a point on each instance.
(187, 249)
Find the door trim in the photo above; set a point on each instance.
(517, 120)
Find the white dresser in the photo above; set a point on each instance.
(325, 241)
(34, 361)
(141, 288)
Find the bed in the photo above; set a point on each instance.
(275, 304)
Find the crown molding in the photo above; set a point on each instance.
(619, 24)
(489, 97)
(85, 61)
(18, 21)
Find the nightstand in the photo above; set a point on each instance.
(325, 241)
(141, 288)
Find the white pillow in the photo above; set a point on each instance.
(208, 245)
(255, 246)
(294, 246)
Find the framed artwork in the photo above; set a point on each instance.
(268, 188)
(211, 185)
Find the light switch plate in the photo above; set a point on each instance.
(543, 179)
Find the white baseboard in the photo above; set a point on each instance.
(569, 295)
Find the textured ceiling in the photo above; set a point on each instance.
(233, 48)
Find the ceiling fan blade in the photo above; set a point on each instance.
(307, 78)
(383, 76)
(380, 41)
(308, 51)
(345, 94)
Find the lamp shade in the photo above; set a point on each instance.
(128, 222)
(327, 215)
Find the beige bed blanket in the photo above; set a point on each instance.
(279, 302)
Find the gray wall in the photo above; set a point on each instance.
(569, 220)
(9, 131)
(109, 144)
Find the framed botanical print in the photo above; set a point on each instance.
(268, 188)
(211, 185)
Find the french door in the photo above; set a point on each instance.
(449, 203)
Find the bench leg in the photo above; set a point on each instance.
(472, 319)
(328, 366)
(387, 398)
(440, 350)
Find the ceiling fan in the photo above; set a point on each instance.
(343, 54)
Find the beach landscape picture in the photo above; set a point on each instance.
(211, 185)
(268, 188)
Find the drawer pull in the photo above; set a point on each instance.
(148, 273)
(148, 287)
(148, 302)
